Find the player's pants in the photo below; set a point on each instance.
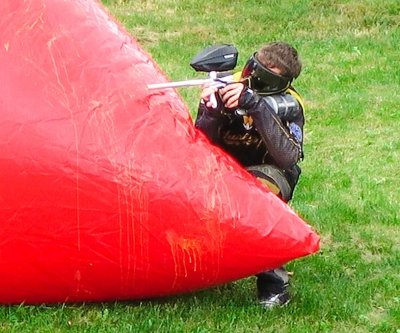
(274, 281)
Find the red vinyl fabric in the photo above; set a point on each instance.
(107, 191)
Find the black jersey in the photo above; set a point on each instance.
(265, 134)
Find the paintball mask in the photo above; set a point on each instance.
(262, 79)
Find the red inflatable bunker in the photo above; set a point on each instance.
(107, 192)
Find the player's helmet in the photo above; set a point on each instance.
(262, 79)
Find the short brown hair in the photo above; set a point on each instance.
(281, 55)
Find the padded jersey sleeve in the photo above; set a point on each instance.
(283, 139)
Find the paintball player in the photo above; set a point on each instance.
(259, 121)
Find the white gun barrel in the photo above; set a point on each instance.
(216, 82)
(213, 79)
(187, 83)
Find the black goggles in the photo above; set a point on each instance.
(262, 79)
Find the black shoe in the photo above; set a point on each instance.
(271, 300)
(273, 288)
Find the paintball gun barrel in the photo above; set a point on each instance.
(213, 79)
(216, 60)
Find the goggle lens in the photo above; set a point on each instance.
(262, 79)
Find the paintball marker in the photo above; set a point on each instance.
(217, 61)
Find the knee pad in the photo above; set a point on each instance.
(273, 178)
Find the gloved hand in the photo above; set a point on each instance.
(237, 95)
(230, 94)
(248, 99)
(211, 98)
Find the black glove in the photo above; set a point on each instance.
(248, 99)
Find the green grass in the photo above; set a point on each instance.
(349, 190)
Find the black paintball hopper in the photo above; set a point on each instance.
(218, 58)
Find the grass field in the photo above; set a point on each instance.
(349, 190)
